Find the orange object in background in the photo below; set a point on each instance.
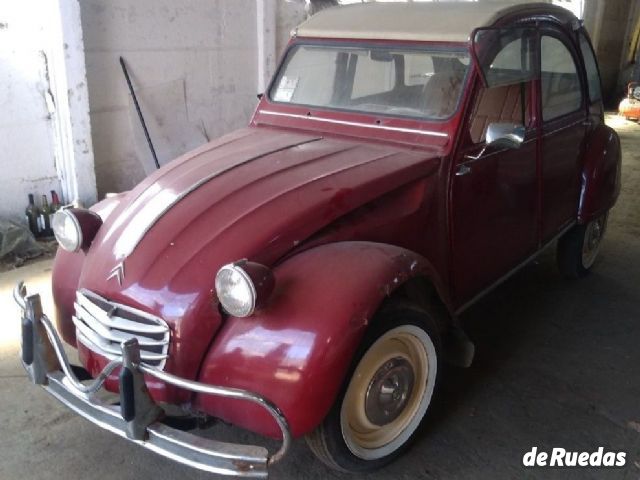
(630, 107)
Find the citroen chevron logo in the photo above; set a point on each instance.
(118, 273)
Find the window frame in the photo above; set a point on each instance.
(582, 34)
(576, 55)
(524, 27)
(435, 47)
(482, 84)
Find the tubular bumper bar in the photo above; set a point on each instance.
(138, 418)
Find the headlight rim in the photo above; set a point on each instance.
(78, 228)
(237, 268)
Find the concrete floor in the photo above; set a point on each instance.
(557, 365)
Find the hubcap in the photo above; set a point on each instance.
(592, 241)
(389, 391)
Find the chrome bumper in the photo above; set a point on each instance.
(137, 418)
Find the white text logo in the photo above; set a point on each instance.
(559, 457)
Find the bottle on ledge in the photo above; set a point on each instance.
(55, 206)
(55, 202)
(32, 214)
(45, 218)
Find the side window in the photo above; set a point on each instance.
(506, 98)
(503, 104)
(593, 77)
(560, 82)
(506, 55)
(510, 57)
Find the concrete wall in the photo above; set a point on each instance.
(193, 64)
(289, 15)
(630, 62)
(611, 25)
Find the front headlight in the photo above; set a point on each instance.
(67, 230)
(243, 286)
(75, 228)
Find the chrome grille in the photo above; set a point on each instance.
(102, 326)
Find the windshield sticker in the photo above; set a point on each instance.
(286, 89)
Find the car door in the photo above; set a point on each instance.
(564, 123)
(494, 196)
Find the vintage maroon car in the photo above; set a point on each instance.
(303, 276)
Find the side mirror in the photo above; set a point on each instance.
(505, 135)
(501, 135)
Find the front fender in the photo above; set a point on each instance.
(67, 268)
(297, 351)
(601, 174)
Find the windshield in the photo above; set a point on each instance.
(400, 82)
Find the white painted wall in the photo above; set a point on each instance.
(71, 122)
(27, 160)
(38, 145)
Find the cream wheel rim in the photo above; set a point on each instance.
(389, 392)
(592, 241)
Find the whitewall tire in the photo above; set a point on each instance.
(386, 396)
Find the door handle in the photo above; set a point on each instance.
(478, 155)
(463, 170)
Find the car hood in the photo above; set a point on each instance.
(257, 193)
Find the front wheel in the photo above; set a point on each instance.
(579, 248)
(387, 396)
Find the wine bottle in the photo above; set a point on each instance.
(45, 218)
(32, 214)
(55, 201)
(55, 206)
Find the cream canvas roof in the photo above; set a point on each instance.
(428, 21)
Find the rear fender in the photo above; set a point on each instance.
(601, 174)
(297, 351)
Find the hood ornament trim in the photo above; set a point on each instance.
(117, 272)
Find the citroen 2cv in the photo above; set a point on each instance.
(302, 277)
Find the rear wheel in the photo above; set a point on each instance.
(579, 248)
(386, 397)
